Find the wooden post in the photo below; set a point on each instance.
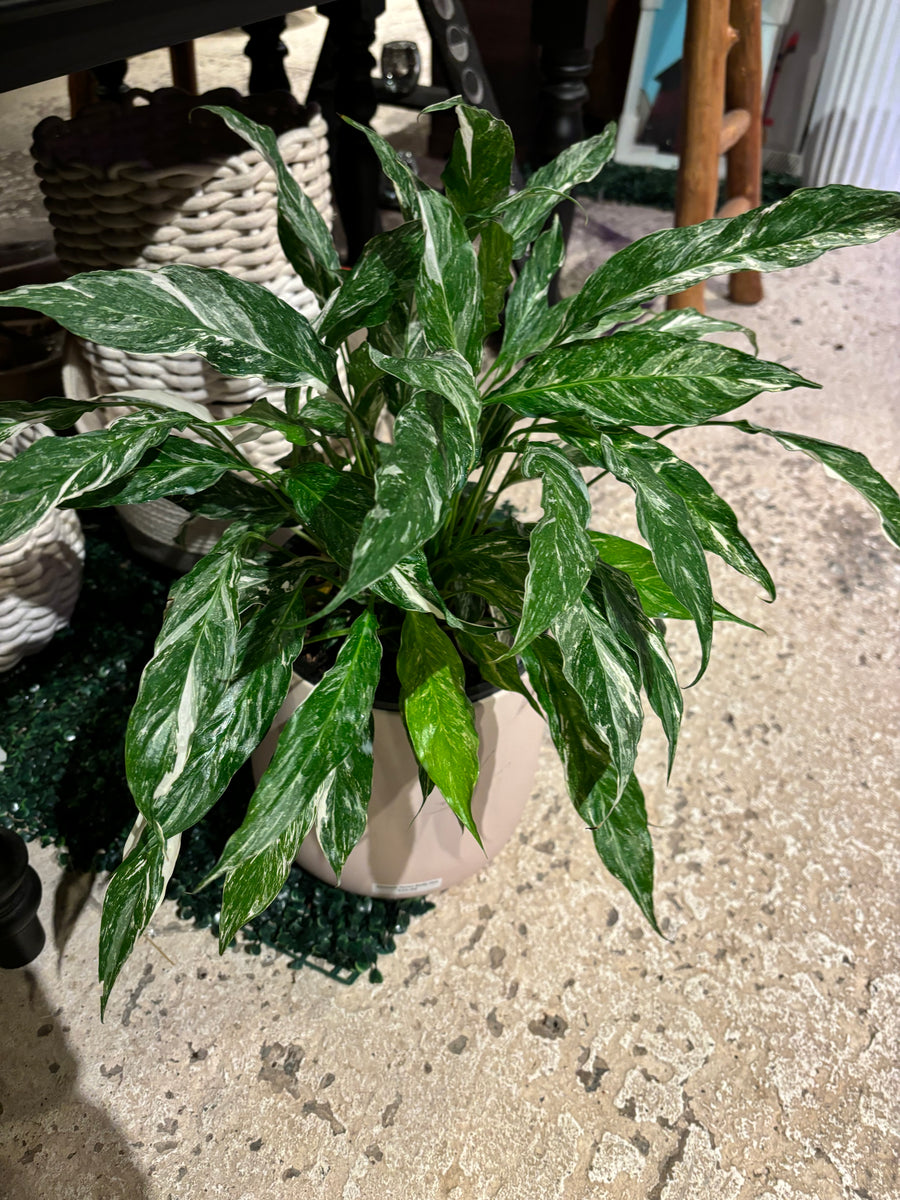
(707, 40)
(81, 91)
(183, 63)
(743, 90)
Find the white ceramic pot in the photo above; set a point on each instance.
(409, 849)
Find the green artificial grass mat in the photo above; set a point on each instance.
(63, 714)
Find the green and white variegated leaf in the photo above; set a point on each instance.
(656, 597)
(234, 499)
(439, 717)
(618, 598)
(604, 673)
(420, 473)
(851, 466)
(53, 470)
(687, 322)
(638, 378)
(177, 467)
(331, 723)
(386, 270)
(252, 886)
(448, 374)
(664, 520)
(133, 896)
(495, 666)
(477, 174)
(265, 415)
(524, 213)
(193, 660)
(448, 290)
(304, 236)
(343, 803)
(363, 377)
(240, 328)
(332, 505)
(407, 184)
(714, 521)
(560, 554)
(785, 234)
(530, 325)
(56, 413)
(494, 568)
(618, 824)
(494, 263)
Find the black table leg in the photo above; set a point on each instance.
(342, 86)
(267, 53)
(21, 933)
(109, 80)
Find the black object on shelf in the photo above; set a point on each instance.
(21, 933)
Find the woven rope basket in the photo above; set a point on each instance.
(152, 182)
(40, 572)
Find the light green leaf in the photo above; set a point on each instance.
(343, 805)
(785, 234)
(525, 212)
(714, 521)
(851, 466)
(638, 378)
(448, 374)
(605, 675)
(687, 322)
(53, 470)
(133, 896)
(439, 716)
(560, 555)
(252, 886)
(305, 238)
(656, 597)
(448, 291)
(240, 328)
(332, 722)
(530, 325)
(263, 413)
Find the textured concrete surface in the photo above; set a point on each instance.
(532, 1038)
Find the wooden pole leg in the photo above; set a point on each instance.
(707, 39)
(81, 91)
(183, 63)
(743, 90)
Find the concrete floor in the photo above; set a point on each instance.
(532, 1038)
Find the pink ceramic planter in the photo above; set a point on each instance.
(409, 849)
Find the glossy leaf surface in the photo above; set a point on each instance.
(438, 714)
(448, 290)
(252, 886)
(530, 325)
(177, 467)
(133, 896)
(386, 269)
(446, 373)
(494, 262)
(477, 174)
(343, 803)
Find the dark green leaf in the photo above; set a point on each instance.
(638, 378)
(714, 521)
(494, 261)
(477, 175)
(177, 466)
(386, 269)
(665, 522)
(419, 475)
(439, 716)
(605, 675)
(57, 413)
(524, 213)
(656, 597)
(851, 466)
(233, 498)
(53, 470)
(408, 185)
(448, 291)
(622, 838)
(305, 238)
(263, 413)
(342, 810)
(560, 555)
(133, 896)
(790, 232)
(331, 723)
(530, 325)
(448, 374)
(490, 656)
(240, 328)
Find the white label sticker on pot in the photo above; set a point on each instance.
(407, 889)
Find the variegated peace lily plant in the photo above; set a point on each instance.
(404, 557)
